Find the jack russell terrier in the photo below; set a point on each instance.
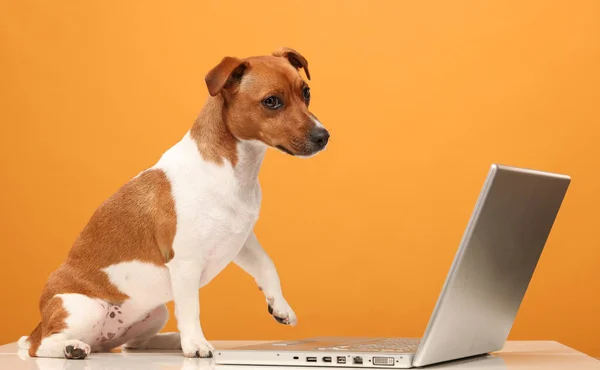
(175, 226)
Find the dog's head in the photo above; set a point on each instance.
(266, 99)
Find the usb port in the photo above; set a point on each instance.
(341, 360)
(326, 359)
(311, 359)
(357, 360)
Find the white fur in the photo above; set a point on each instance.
(254, 260)
(316, 121)
(145, 283)
(23, 343)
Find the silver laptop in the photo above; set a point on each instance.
(475, 311)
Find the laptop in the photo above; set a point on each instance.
(479, 300)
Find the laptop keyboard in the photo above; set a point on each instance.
(400, 345)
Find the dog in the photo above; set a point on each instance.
(176, 225)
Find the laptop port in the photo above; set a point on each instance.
(383, 361)
(326, 359)
(357, 360)
(311, 359)
(341, 359)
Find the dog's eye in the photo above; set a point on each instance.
(306, 94)
(272, 102)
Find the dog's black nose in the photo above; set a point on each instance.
(319, 137)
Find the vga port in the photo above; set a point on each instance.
(383, 361)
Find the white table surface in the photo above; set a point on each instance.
(547, 355)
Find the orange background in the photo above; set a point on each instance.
(420, 97)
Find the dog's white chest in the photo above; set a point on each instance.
(222, 237)
(216, 206)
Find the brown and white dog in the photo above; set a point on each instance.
(175, 226)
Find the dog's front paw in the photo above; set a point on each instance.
(196, 348)
(281, 311)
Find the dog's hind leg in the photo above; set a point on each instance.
(69, 322)
(254, 260)
(144, 333)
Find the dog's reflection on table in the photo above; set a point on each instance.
(130, 360)
(174, 360)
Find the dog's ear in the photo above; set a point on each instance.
(225, 75)
(295, 58)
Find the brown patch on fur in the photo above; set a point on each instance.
(138, 222)
(214, 140)
(53, 322)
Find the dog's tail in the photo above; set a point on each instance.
(25, 341)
